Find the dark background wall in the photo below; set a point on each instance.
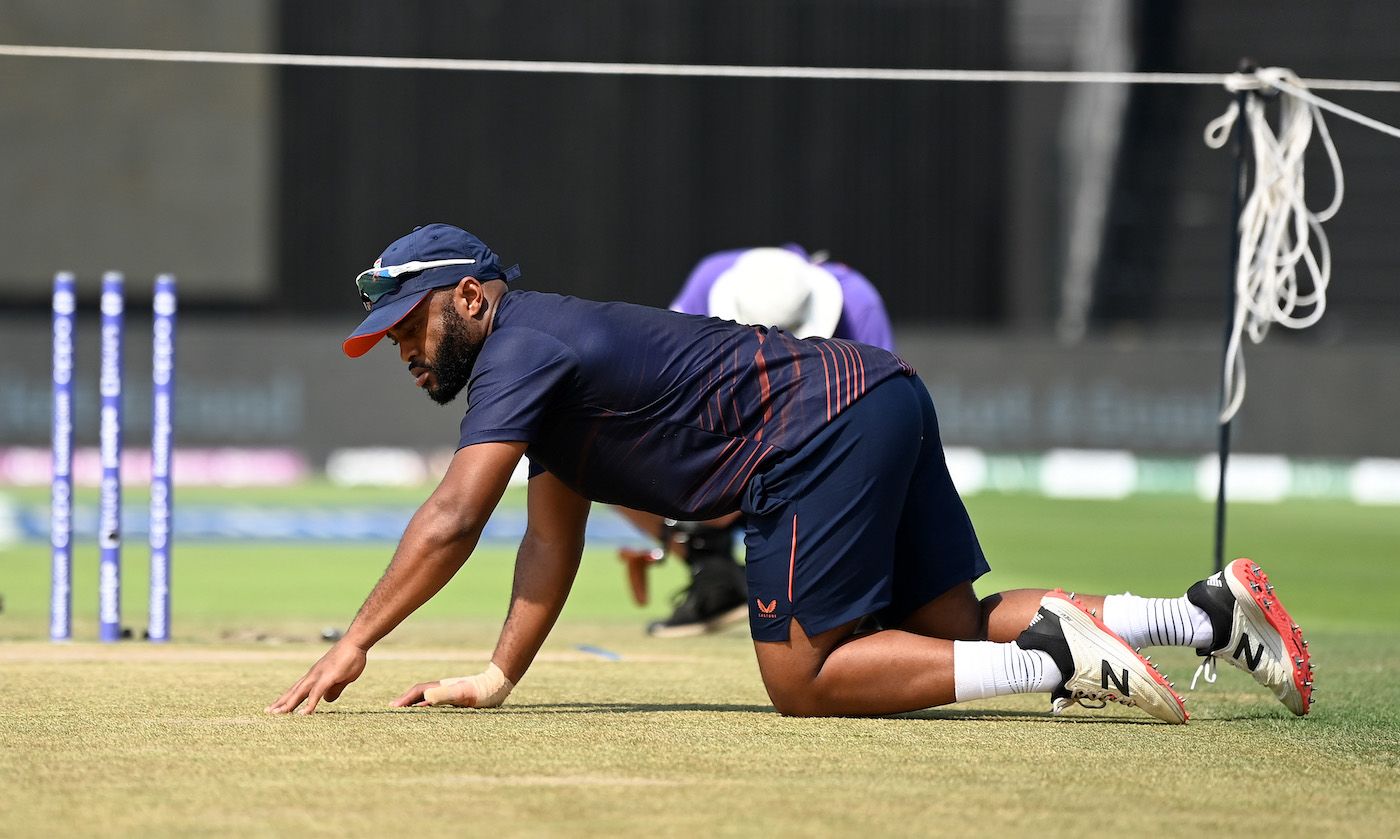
(138, 167)
(264, 189)
(613, 187)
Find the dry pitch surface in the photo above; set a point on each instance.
(131, 741)
(674, 738)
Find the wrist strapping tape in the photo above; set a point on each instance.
(488, 689)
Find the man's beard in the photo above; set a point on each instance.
(456, 356)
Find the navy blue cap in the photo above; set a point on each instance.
(429, 243)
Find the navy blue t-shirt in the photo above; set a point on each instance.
(654, 409)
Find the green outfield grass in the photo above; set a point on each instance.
(677, 737)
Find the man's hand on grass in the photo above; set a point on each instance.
(484, 690)
(341, 665)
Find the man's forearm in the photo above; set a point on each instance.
(438, 540)
(544, 574)
(432, 550)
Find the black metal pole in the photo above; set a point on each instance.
(1239, 146)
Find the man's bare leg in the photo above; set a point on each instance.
(836, 673)
(840, 673)
(958, 615)
(957, 647)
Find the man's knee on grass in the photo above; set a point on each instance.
(790, 669)
(794, 695)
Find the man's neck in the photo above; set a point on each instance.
(494, 291)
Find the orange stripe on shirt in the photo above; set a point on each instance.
(857, 370)
(848, 368)
(709, 417)
(750, 459)
(732, 448)
(836, 373)
(857, 388)
(861, 359)
(767, 450)
(839, 367)
(792, 557)
(765, 396)
(826, 373)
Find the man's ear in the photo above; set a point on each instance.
(470, 295)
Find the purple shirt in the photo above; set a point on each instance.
(863, 316)
(657, 410)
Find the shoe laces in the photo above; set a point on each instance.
(1077, 697)
(1272, 671)
(1207, 669)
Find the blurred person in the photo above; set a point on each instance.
(829, 448)
(786, 288)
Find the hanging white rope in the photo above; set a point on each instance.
(1285, 263)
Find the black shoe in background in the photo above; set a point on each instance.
(717, 595)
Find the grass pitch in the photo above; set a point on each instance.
(677, 737)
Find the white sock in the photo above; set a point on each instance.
(1157, 621)
(985, 668)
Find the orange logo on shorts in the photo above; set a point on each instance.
(769, 609)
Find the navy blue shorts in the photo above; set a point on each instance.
(862, 520)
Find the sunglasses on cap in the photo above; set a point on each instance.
(377, 282)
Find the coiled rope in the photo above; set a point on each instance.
(1280, 277)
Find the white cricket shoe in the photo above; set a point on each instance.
(1253, 631)
(1097, 664)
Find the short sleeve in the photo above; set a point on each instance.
(518, 374)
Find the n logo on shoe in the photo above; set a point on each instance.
(1108, 674)
(1251, 657)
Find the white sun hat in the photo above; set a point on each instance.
(776, 287)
